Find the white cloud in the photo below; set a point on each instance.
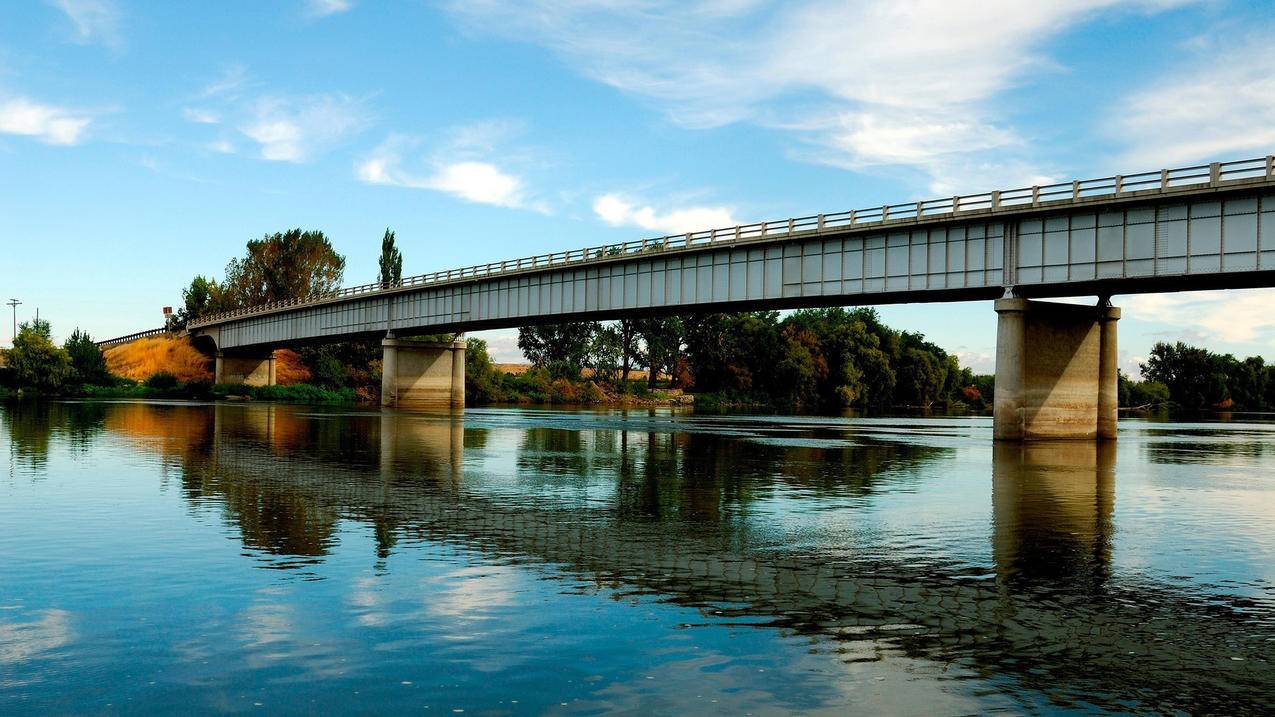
(1220, 105)
(479, 182)
(904, 83)
(93, 20)
(200, 116)
(293, 130)
(48, 123)
(323, 8)
(980, 362)
(617, 210)
(457, 168)
(232, 80)
(1233, 316)
(221, 146)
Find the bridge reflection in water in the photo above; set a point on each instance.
(643, 504)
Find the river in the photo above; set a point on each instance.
(177, 558)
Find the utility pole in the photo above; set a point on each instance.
(14, 303)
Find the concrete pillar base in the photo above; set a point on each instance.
(420, 375)
(1055, 371)
(248, 369)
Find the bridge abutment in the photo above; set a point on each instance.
(1056, 371)
(253, 369)
(423, 375)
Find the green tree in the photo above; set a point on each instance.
(605, 353)
(1196, 378)
(204, 296)
(628, 347)
(482, 381)
(88, 365)
(287, 265)
(391, 261)
(662, 340)
(561, 347)
(922, 375)
(35, 361)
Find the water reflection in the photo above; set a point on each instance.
(685, 510)
(1053, 505)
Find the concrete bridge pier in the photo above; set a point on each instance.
(423, 375)
(1056, 371)
(251, 369)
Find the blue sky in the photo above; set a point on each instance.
(142, 143)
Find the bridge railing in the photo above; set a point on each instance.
(1051, 195)
(163, 330)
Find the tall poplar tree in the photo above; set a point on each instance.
(391, 261)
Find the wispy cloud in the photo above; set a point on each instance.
(48, 123)
(293, 130)
(904, 83)
(460, 166)
(618, 210)
(94, 21)
(323, 8)
(1221, 104)
(1232, 316)
(284, 128)
(228, 85)
(200, 115)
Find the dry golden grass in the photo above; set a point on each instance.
(143, 358)
(288, 368)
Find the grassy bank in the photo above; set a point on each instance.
(295, 393)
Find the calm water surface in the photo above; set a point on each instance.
(189, 558)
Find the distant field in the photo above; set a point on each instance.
(518, 369)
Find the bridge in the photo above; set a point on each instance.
(1201, 227)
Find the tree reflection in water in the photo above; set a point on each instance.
(671, 509)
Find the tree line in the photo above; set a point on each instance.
(812, 359)
(1195, 378)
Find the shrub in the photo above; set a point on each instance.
(162, 381)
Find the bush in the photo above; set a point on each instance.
(36, 362)
(295, 393)
(162, 381)
(328, 371)
(88, 365)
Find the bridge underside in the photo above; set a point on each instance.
(248, 368)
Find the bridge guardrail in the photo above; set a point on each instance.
(1051, 195)
(163, 330)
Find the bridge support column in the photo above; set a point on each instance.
(423, 375)
(253, 369)
(1055, 371)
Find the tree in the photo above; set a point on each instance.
(662, 339)
(561, 347)
(628, 347)
(921, 377)
(482, 381)
(605, 351)
(294, 264)
(391, 262)
(204, 296)
(88, 365)
(1192, 374)
(35, 360)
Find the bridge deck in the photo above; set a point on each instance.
(1207, 226)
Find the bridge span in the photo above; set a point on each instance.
(1201, 227)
